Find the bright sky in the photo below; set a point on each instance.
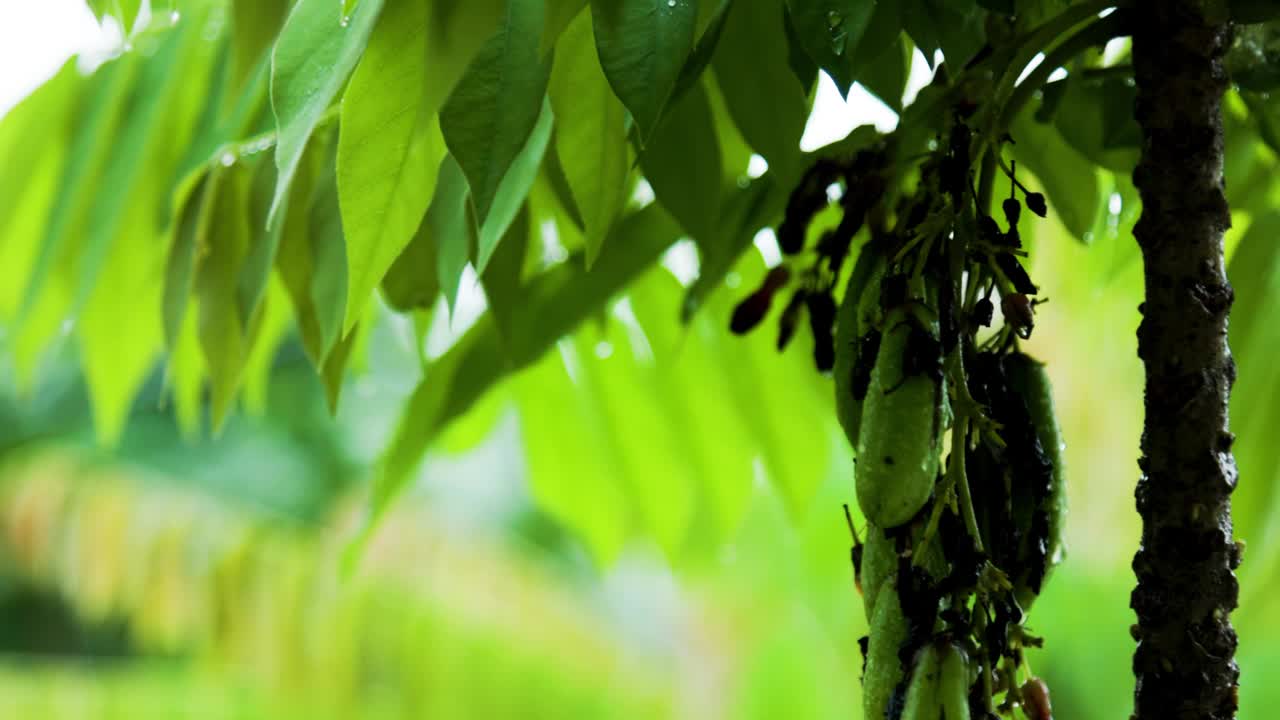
(37, 37)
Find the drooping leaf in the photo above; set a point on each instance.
(954, 28)
(451, 220)
(1096, 118)
(312, 254)
(52, 281)
(885, 74)
(488, 119)
(264, 242)
(135, 146)
(412, 283)
(696, 392)
(224, 341)
(502, 279)
(550, 306)
(189, 235)
(745, 212)
(514, 189)
(712, 15)
(559, 14)
(576, 488)
(254, 26)
(682, 163)
(615, 371)
(274, 328)
(119, 332)
(591, 135)
(389, 145)
(316, 50)
(643, 44)
(33, 140)
(763, 96)
(829, 30)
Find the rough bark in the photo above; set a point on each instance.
(1184, 661)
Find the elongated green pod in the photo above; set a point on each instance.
(1028, 378)
(923, 700)
(899, 442)
(850, 331)
(879, 562)
(883, 668)
(953, 686)
(1042, 541)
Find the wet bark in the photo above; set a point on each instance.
(1184, 661)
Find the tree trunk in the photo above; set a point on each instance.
(1184, 662)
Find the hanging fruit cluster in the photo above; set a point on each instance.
(958, 468)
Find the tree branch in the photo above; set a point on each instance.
(1184, 661)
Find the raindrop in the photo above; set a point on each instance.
(835, 25)
(671, 3)
(345, 21)
(174, 17)
(228, 159)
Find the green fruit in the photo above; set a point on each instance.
(899, 443)
(1028, 378)
(879, 563)
(923, 701)
(849, 332)
(953, 687)
(883, 668)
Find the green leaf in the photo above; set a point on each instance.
(697, 393)
(34, 139)
(224, 341)
(134, 147)
(502, 279)
(745, 212)
(412, 282)
(56, 263)
(488, 118)
(312, 257)
(591, 135)
(515, 187)
(763, 96)
(1096, 118)
(576, 487)
(615, 371)
(389, 146)
(712, 15)
(451, 220)
(1070, 180)
(559, 14)
(254, 25)
(274, 328)
(885, 75)
(643, 45)
(316, 49)
(884, 30)
(119, 332)
(189, 235)
(828, 31)
(682, 163)
(263, 244)
(551, 305)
